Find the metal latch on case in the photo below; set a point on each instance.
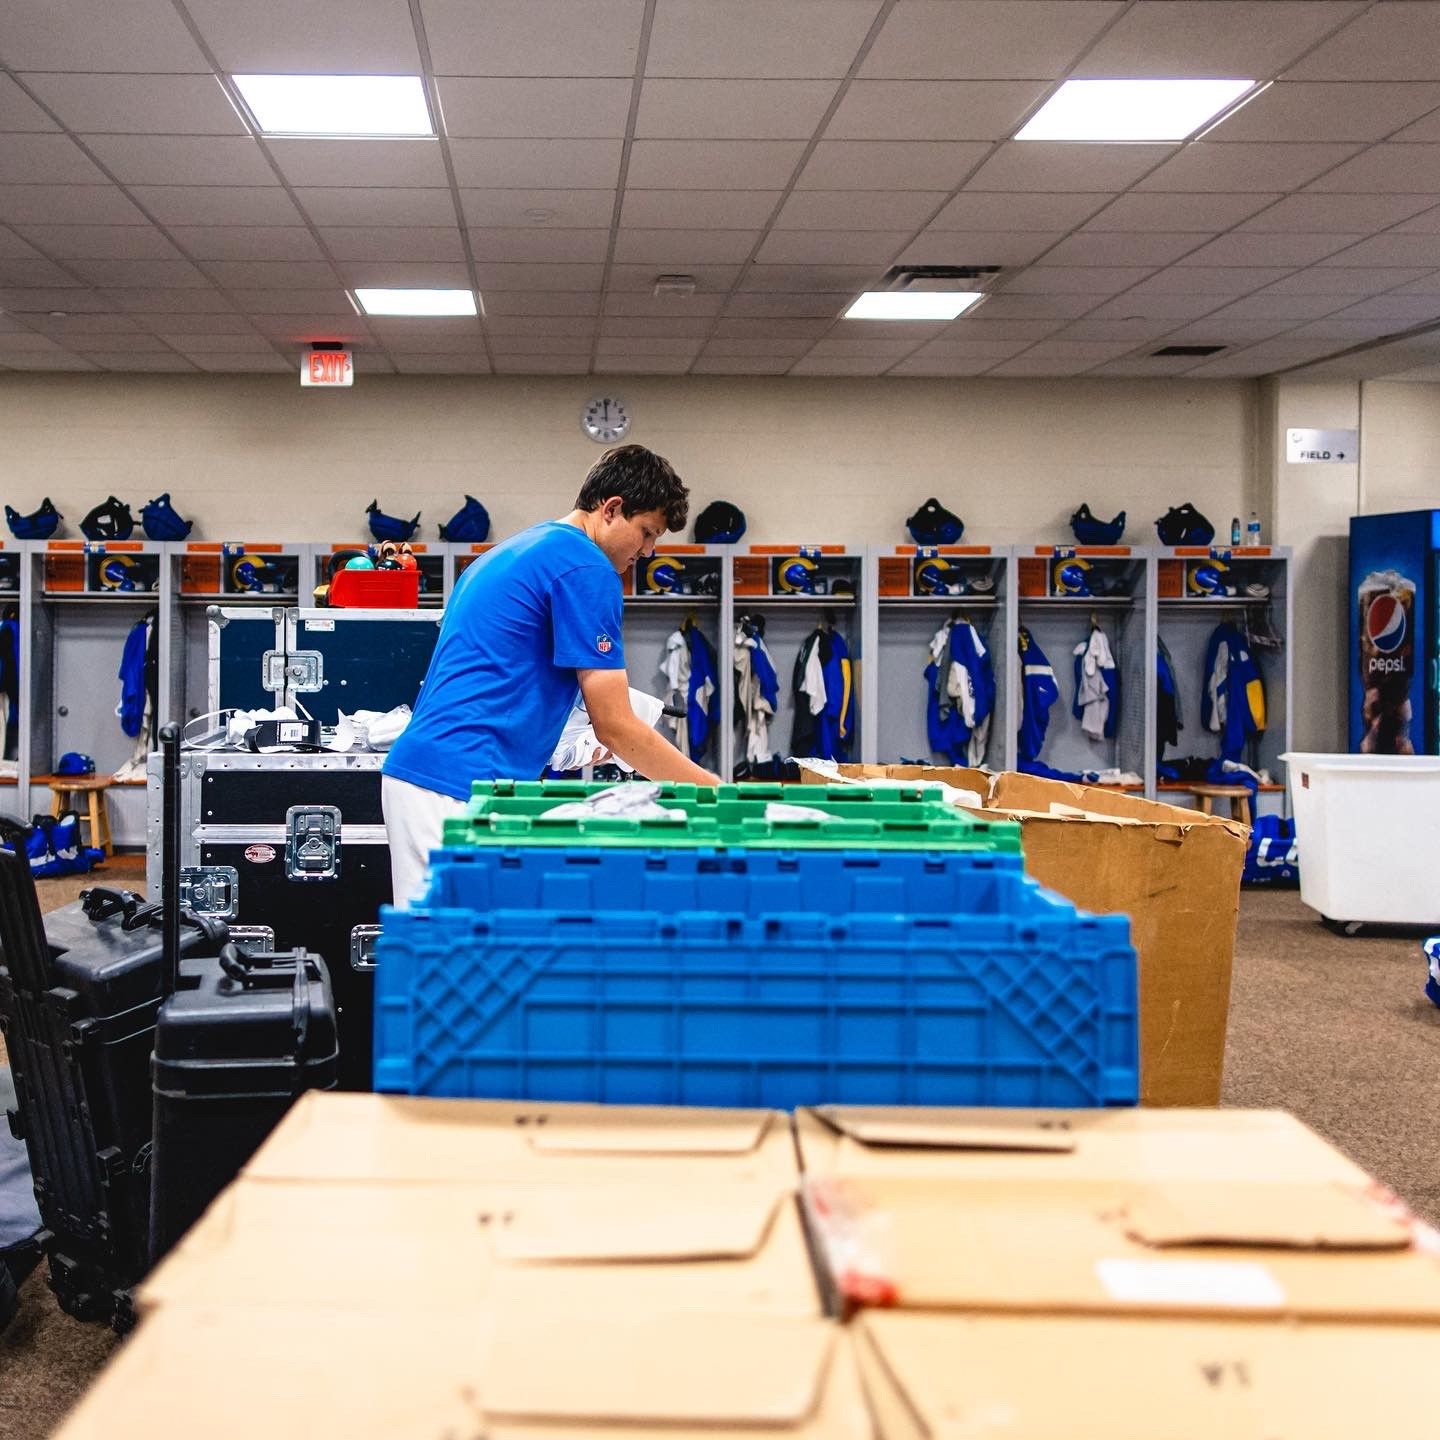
(299, 671)
(212, 890)
(362, 946)
(257, 938)
(312, 842)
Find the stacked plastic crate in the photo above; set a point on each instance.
(892, 952)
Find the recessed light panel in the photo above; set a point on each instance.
(337, 104)
(912, 304)
(1132, 110)
(416, 302)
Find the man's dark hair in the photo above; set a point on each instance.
(642, 479)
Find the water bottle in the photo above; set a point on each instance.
(1252, 531)
(1235, 530)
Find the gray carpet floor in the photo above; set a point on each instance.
(1335, 1029)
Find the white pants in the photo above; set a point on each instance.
(414, 825)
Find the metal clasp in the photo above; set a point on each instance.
(312, 842)
(212, 890)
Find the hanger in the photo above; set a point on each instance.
(1094, 620)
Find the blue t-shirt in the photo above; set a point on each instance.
(522, 620)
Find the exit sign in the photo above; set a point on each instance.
(328, 367)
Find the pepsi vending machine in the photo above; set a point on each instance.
(1394, 627)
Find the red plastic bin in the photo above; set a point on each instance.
(375, 590)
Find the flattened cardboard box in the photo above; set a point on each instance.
(1305, 1250)
(1174, 872)
(389, 1139)
(931, 1375)
(378, 1373)
(1040, 1146)
(609, 1248)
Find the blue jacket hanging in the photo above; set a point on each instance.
(703, 689)
(833, 725)
(1169, 721)
(1038, 692)
(960, 693)
(131, 708)
(1232, 695)
(10, 682)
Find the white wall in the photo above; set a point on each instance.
(1400, 461)
(256, 458)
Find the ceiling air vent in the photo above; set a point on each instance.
(938, 277)
(1187, 350)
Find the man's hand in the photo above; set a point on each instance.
(620, 730)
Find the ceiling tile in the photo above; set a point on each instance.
(87, 322)
(839, 365)
(516, 243)
(976, 327)
(606, 348)
(1351, 331)
(1338, 280)
(542, 364)
(167, 274)
(987, 350)
(933, 109)
(1394, 41)
(36, 272)
(184, 159)
(731, 109)
(217, 204)
(638, 302)
(679, 249)
(686, 209)
(712, 164)
(1427, 129)
(638, 327)
(500, 108)
(1205, 167)
(857, 209)
(1213, 330)
(46, 159)
(13, 340)
(890, 164)
(1097, 280)
(556, 164)
(1028, 307)
(1156, 247)
(45, 360)
(392, 242)
(222, 342)
(1267, 305)
(320, 37)
(18, 112)
(442, 365)
(1210, 280)
(1391, 250)
(771, 329)
(642, 365)
(502, 275)
(136, 361)
(709, 279)
(139, 104)
(533, 37)
(758, 39)
(1255, 248)
(101, 242)
(542, 302)
(1040, 363)
(1213, 211)
(1205, 38)
(831, 247)
(557, 209)
(393, 205)
(536, 345)
(331, 301)
(140, 35)
(980, 247)
(423, 274)
(1336, 214)
(173, 327)
(1145, 366)
(578, 327)
(843, 280)
(1137, 332)
(12, 247)
(1135, 306)
(1390, 169)
(980, 210)
(1402, 310)
(1426, 285)
(229, 363)
(165, 302)
(719, 364)
(985, 39)
(1030, 165)
(1318, 111)
(271, 274)
(778, 349)
(72, 301)
(471, 343)
(865, 348)
(360, 163)
(246, 242)
(939, 367)
(302, 326)
(1426, 222)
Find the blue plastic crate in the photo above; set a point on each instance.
(698, 1008)
(731, 882)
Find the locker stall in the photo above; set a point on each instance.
(793, 593)
(919, 592)
(12, 572)
(1065, 594)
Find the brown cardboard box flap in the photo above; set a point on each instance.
(944, 1377)
(653, 1132)
(1302, 1217)
(952, 1129)
(574, 1226)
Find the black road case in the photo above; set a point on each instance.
(294, 843)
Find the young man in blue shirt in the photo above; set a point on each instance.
(533, 626)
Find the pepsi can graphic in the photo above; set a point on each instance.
(1387, 661)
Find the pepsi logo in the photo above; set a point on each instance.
(1385, 624)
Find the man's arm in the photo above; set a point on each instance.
(619, 729)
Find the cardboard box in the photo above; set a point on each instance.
(388, 1139)
(1174, 872)
(379, 1373)
(1095, 1379)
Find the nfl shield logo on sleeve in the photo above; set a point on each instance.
(603, 644)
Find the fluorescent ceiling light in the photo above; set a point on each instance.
(337, 104)
(1121, 110)
(912, 304)
(416, 302)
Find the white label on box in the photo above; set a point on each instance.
(319, 624)
(291, 733)
(1225, 1284)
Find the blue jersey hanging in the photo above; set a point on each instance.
(960, 693)
(701, 703)
(1232, 696)
(822, 683)
(1038, 692)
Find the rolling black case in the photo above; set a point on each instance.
(238, 1037)
(78, 994)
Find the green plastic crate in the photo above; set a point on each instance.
(733, 816)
